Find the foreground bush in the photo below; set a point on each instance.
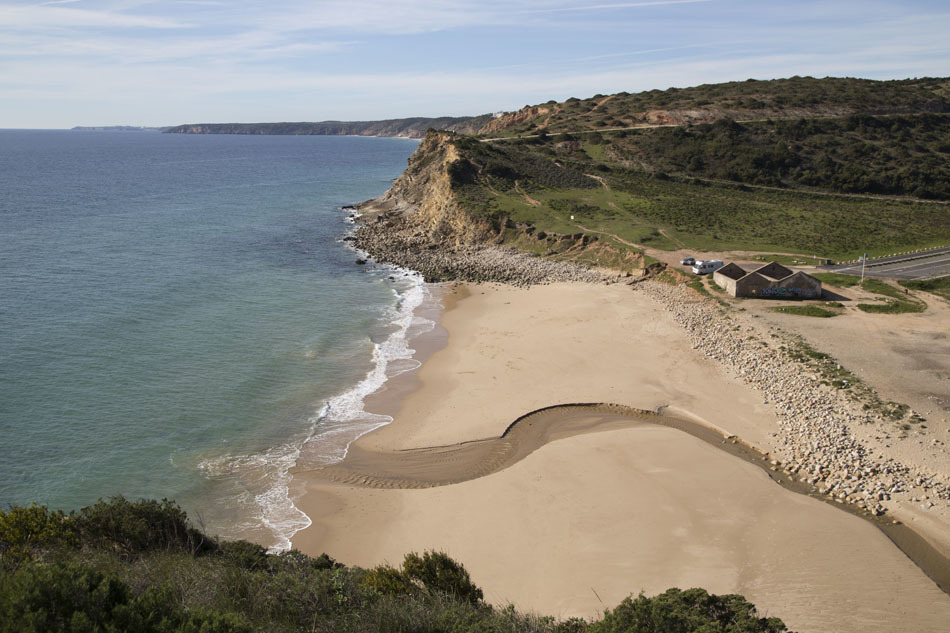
(140, 566)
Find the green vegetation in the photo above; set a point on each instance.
(832, 373)
(788, 260)
(740, 100)
(699, 287)
(939, 286)
(807, 310)
(881, 288)
(891, 307)
(535, 184)
(140, 566)
(897, 302)
(895, 155)
(827, 168)
(837, 279)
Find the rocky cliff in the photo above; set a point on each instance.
(421, 224)
(423, 195)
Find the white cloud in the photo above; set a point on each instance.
(333, 59)
(615, 6)
(49, 16)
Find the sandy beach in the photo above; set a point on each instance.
(606, 508)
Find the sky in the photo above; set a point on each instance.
(167, 62)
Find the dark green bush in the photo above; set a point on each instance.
(245, 555)
(437, 572)
(133, 527)
(690, 611)
(73, 598)
(133, 566)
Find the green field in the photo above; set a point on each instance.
(806, 168)
(939, 286)
(808, 310)
(897, 302)
(837, 279)
(667, 213)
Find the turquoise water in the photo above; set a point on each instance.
(178, 316)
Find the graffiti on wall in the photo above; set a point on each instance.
(789, 292)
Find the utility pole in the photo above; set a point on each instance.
(864, 261)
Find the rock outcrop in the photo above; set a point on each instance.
(527, 113)
(420, 224)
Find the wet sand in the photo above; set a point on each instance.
(599, 509)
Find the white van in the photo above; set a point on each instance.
(706, 266)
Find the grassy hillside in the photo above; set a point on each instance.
(139, 566)
(795, 97)
(884, 155)
(831, 168)
(543, 182)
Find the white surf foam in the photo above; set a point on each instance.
(339, 422)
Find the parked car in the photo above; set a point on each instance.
(707, 266)
(688, 261)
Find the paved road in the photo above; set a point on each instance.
(923, 265)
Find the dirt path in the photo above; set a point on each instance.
(527, 198)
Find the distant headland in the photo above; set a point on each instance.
(414, 127)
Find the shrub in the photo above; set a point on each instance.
(74, 598)
(24, 529)
(462, 172)
(437, 572)
(389, 581)
(433, 571)
(164, 587)
(676, 611)
(134, 527)
(245, 555)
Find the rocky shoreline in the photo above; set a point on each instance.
(391, 238)
(818, 423)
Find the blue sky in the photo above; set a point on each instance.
(141, 62)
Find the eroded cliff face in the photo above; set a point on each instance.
(424, 198)
(421, 225)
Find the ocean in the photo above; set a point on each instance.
(179, 316)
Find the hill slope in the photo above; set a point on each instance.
(796, 97)
(835, 168)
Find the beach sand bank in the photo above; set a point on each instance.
(582, 522)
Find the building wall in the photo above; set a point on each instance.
(727, 284)
(752, 285)
(801, 285)
(756, 285)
